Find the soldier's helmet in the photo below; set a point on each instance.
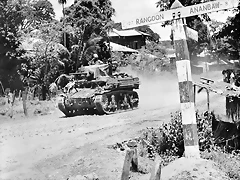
(95, 55)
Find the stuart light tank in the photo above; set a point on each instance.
(96, 90)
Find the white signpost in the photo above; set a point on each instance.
(177, 12)
(184, 11)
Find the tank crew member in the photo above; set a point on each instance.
(94, 59)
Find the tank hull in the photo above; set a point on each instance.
(105, 103)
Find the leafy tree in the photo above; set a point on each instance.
(51, 52)
(152, 58)
(230, 36)
(50, 58)
(155, 49)
(98, 45)
(10, 20)
(223, 49)
(35, 12)
(89, 19)
(203, 37)
(219, 46)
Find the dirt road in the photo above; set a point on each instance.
(55, 147)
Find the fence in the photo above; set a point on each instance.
(232, 100)
(10, 99)
(131, 163)
(28, 94)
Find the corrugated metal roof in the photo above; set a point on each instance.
(112, 34)
(130, 32)
(120, 48)
(220, 62)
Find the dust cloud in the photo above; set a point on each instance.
(161, 90)
(157, 91)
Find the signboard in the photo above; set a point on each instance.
(191, 33)
(183, 12)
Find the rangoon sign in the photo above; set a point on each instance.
(184, 12)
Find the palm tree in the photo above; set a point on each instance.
(63, 2)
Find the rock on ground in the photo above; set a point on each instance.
(197, 169)
(189, 169)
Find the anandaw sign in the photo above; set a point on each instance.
(184, 12)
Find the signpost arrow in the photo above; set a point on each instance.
(184, 11)
(191, 33)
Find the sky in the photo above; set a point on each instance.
(134, 8)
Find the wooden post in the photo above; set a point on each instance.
(127, 164)
(12, 99)
(185, 86)
(208, 100)
(156, 169)
(24, 99)
(134, 163)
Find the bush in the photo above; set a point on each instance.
(168, 141)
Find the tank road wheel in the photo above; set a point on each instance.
(100, 104)
(125, 104)
(71, 113)
(106, 105)
(134, 99)
(105, 102)
(113, 105)
(118, 101)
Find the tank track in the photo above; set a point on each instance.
(73, 110)
(116, 101)
(107, 103)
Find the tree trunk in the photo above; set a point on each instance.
(44, 92)
(20, 95)
(64, 33)
(11, 102)
(80, 56)
(33, 92)
(81, 48)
